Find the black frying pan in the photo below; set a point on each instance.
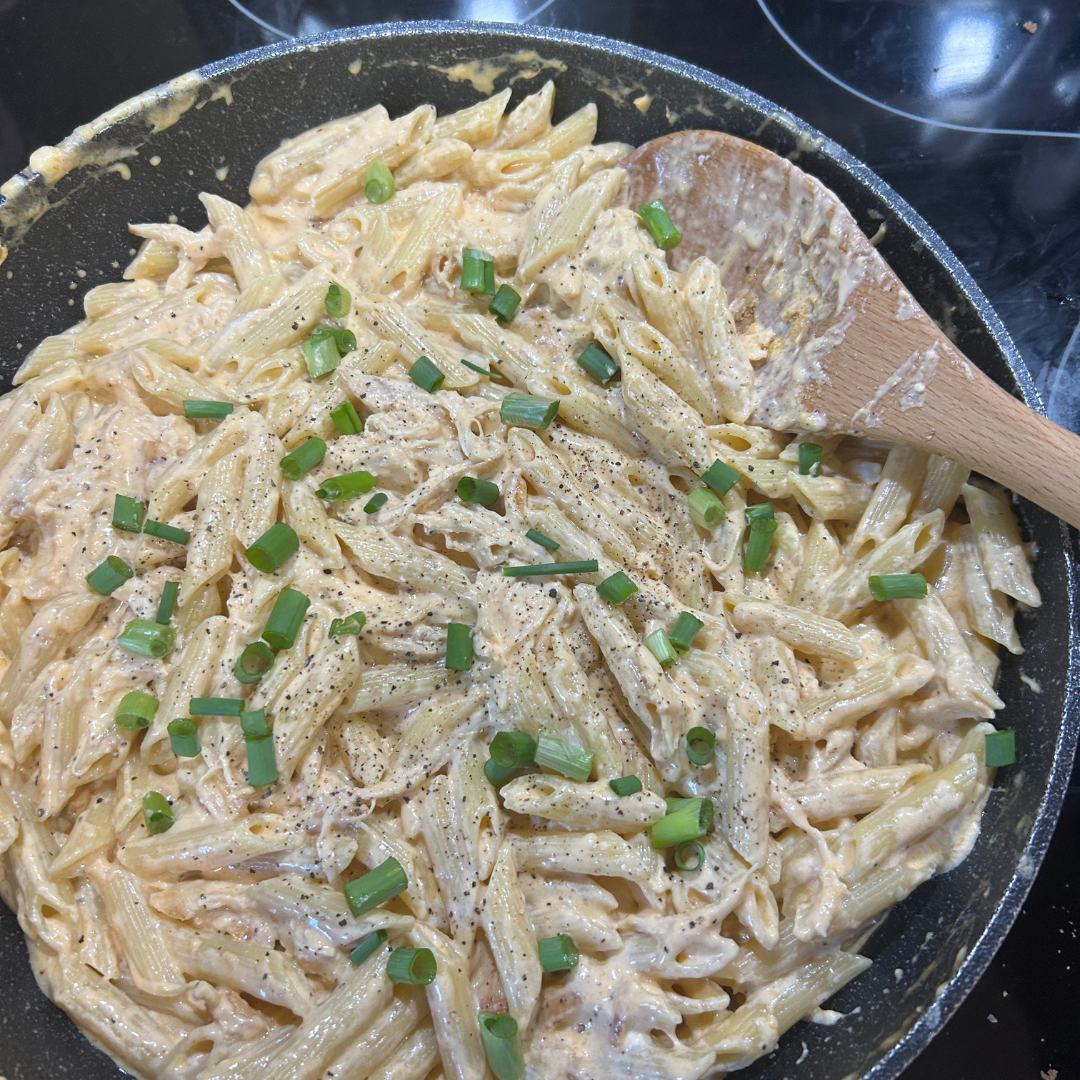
(941, 938)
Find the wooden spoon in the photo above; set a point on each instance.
(853, 351)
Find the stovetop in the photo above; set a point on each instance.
(969, 108)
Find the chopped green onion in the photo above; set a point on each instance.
(109, 576)
(261, 763)
(809, 459)
(684, 631)
(376, 887)
(472, 490)
(207, 410)
(338, 301)
(513, 750)
(706, 510)
(414, 967)
(528, 410)
(253, 663)
(720, 477)
(544, 541)
(459, 648)
(563, 757)
(616, 589)
(368, 945)
(128, 514)
(350, 626)
(625, 785)
(273, 547)
(476, 277)
(759, 512)
(659, 644)
(146, 638)
(184, 736)
(253, 723)
(347, 419)
(215, 706)
(157, 813)
(426, 375)
(378, 183)
(345, 486)
(497, 774)
(660, 225)
(502, 1045)
(757, 546)
(284, 623)
(304, 458)
(376, 502)
(165, 532)
(169, 592)
(690, 849)
(344, 340)
(136, 710)
(505, 303)
(321, 353)
(1000, 748)
(585, 566)
(557, 953)
(700, 745)
(598, 364)
(481, 371)
(686, 819)
(897, 586)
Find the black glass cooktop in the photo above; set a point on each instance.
(969, 108)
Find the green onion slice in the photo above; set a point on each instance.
(684, 631)
(345, 486)
(690, 856)
(128, 514)
(170, 590)
(207, 410)
(136, 710)
(215, 706)
(253, 663)
(157, 813)
(344, 340)
(459, 647)
(253, 724)
(415, 967)
(897, 586)
(273, 548)
(472, 490)
(376, 502)
(367, 946)
(347, 419)
(584, 566)
(165, 532)
(426, 375)
(304, 458)
(146, 638)
(337, 301)
(481, 371)
(598, 364)
(350, 626)
(686, 819)
(757, 546)
(720, 477)
(502, 1045)
(261, 763)
(617, 589)
(109, 576)
(625, 785)
(557, 953)
(290, 607)
(321, 353)
(376, 887)
(660, 225)
(184, 736)
(475, 275)
(497, 774)
(378, 183)
(759, 513)
(505, 303)
(1000, 748)
(700, 745)
(513, 750)
(563, 757)
(706, 510)
(809, 459)
(544, 541)
(659, 644)
(528, 410)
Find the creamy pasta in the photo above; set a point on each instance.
(642, 807)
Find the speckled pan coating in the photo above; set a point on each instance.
(936, 944)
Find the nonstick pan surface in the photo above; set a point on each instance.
(71, 215)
